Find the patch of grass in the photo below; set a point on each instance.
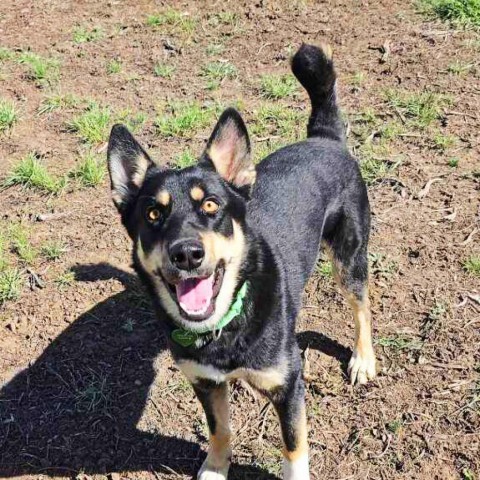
(264, 149)
(40, 69)
(6, 54)
(114, 66)
(57, 102)
(215, 49)
(443, 142)
(31, 173)
(185, 159)
(460, 68)
(19, 238)
(82, 34)
(216, 72)
(134, 122)
(395, 426)
(399, 343)
(163, 70)
(472, 265)
(381, 265)
(8, 114)
(279, 120)
(324, 268)
(53, 250)
(420, 109)
(277, 86)
(91, 171)
(178, 20)
(459, 12)
(183, 119)
(374, 162)
(92, 126)
(11, 280)
(467, 474)
(453, 162)
(358, 79)
(92, 393)
(223, 18)
(65, 279)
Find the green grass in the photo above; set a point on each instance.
(20, 241)
(443, 142)
(457, 12)
(30, 172)
(91, 171)
(185, 159)
(53, 250)
(453, 162)
(174, 18)
(163, 70)
(83, 34)
(134, 122)
(399, 343)
(324, 268)
(216, 72)
(358, 79)
(92, 126)
(6, 54)
(183, 119)
(40, 69)
(460, 68)
(279, 120)
(114, 67)
(8, 114)
(215, 49)
(419, 109)
(65, 279)
(472, 265)
(11, 280)
(275, 87)
(58, 102)
(265, 148)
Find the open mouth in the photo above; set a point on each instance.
(196, 295)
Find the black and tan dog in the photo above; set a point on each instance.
(225, 249)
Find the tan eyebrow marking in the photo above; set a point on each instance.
(163, 198)
(197, 194)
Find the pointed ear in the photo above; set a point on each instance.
(127, 164)
(229, 150)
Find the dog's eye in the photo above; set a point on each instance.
(153, 214)
(210, 206)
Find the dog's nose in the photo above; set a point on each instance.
(187, 254)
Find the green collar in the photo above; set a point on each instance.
(187, 338)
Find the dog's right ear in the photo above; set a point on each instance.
(127, 164)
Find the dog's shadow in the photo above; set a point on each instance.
(76, 408)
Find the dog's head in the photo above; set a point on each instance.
(187, 226)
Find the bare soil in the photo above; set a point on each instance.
(88, 389)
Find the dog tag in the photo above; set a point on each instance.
(184, 337)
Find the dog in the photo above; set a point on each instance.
(225, 249)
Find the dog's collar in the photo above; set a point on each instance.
(186, 338)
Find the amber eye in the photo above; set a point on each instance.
(210, 206)
(153, 214)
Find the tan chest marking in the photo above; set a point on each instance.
(266, 379)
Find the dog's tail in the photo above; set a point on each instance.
(313, 67)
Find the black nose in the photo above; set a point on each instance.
(186, 254)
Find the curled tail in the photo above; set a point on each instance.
(313, 67)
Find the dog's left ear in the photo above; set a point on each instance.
(127, 164)
(229, 150)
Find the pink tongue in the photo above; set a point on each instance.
(195, 294)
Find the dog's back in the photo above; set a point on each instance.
(303, 190)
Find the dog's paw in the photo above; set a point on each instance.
(297, 469)
(209, 473)
(361, 368)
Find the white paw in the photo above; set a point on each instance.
(361, 369)
(297, 469)
(210, 473)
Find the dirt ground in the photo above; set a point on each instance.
(87, 387)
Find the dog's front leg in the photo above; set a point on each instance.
(214, 399)
(289, 402)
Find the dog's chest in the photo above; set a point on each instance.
(266, 379)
